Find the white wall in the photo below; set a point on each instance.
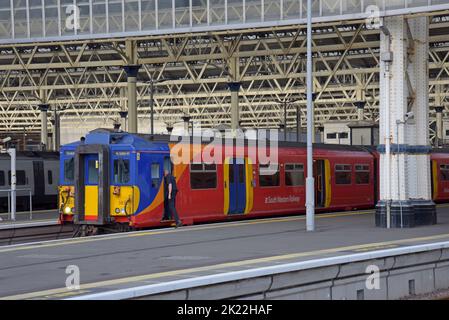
(336, 127)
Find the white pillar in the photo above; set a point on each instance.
(12, 154)
(405, 189)
(234, 87)
(439, 125)
(131, 72)
(44, 126)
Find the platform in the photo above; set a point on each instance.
(37, 271)
(25, 219)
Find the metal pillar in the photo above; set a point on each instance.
(56, 129)
(151, 107)
(12, 154)
(234, 87)
(285, 120)
(405, 189)
(131, 72)
(310, 181)
(44, 126)
(298, 124)
(123, 115)
(186, 120)
(439, 125)
(360, 108)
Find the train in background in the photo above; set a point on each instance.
(115, 180)
(35, 171)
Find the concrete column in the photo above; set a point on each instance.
(405, 189)
(44, 126)
(131, 72)
(439, 125)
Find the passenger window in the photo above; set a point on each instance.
(121, 171)
(69, 170)
(343, 174)
(50, 177)
(21, 179)
(294, 174)
(2, 178)
(444, 172)
(269, 175)
(362, 174)
(203, 176)
(155, 175)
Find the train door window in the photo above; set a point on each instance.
(2, 178)
(121, 171)
(203, 176)
(241, 173)
(444, 172)
(92, 171)
(21, 179)
(343, 174)
(269, 175)
(294, 174)
(69, 170)
(50, 177)
(362, 174)
(155, 175)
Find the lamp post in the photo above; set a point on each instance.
(310, 181)
(151, 83)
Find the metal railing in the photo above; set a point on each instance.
(11, 215)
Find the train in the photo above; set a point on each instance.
(38, 173)
(115, 180)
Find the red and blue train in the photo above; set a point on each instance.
(115, 180)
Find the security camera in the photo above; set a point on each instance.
(409, 115)
(6, 140)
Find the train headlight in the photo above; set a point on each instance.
(117, 210)
(67, 210)
(123, 211)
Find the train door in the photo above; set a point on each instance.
(92, 184)
(237, 186)
(319, 172)
(91, 165)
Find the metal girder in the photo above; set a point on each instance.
(84, 78)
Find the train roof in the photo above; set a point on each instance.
(156, 142)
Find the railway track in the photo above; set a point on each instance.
(37, 232)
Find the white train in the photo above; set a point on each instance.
(35, 171)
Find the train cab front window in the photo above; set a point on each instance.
(121, 171)
(69, 170)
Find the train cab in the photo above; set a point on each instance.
(109, 177)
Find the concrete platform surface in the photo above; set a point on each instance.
(38, 271)
(24, 217)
